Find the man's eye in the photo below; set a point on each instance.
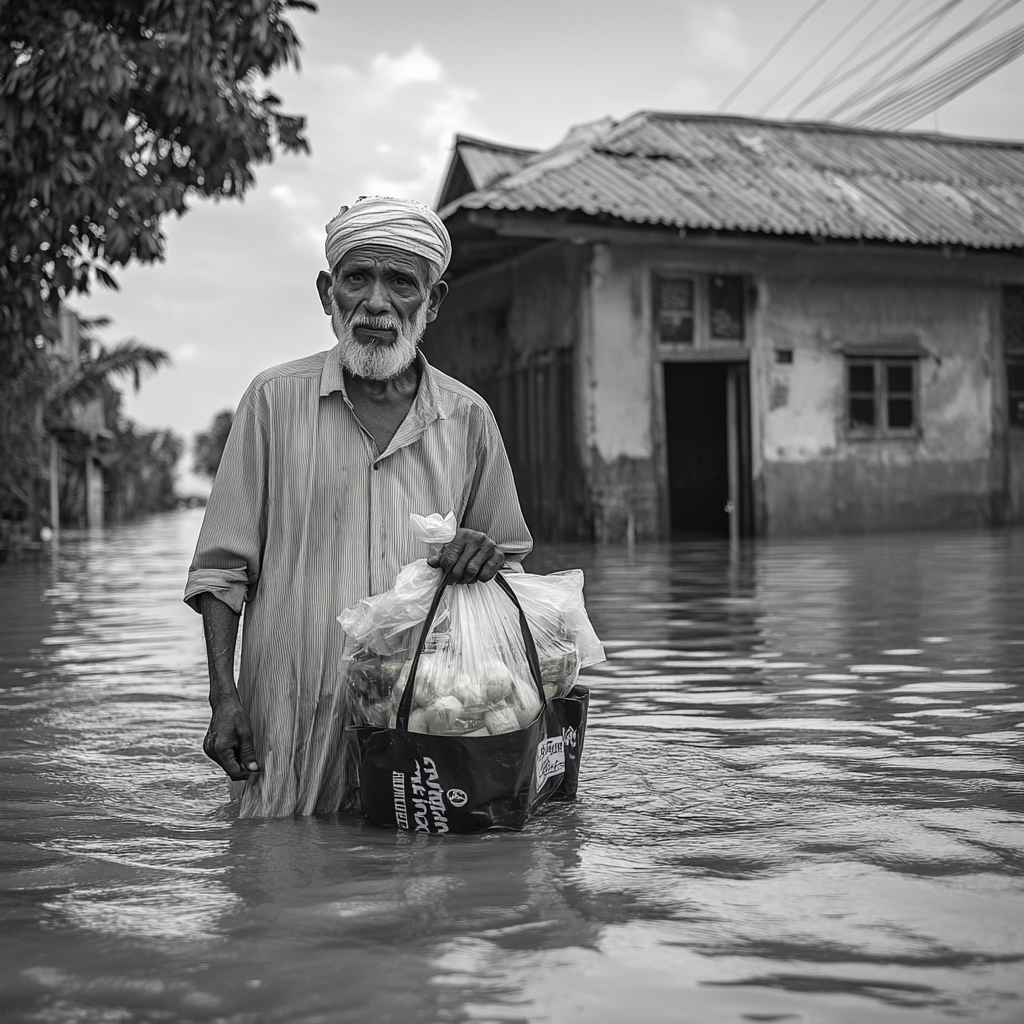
(354, 277)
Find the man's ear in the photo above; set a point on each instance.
(437, 294)
(323, 287)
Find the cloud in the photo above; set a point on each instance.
(286, 195)
(406, 69)
(692, 94)
(714, 40)
(713, 54)
(236, 294)
(384, 128)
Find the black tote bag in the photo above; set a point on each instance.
(427, 783)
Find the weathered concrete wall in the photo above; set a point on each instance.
(512, 333)
(808, 474)
(819, 478)
(619, 398)
(1013, 511)
(537, 296)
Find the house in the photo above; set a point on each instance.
(712, 325)
(76, 474)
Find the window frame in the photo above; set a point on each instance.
(703, 343)
(1012, 330)
(1014, 358)
(881, 395)
(696, 308)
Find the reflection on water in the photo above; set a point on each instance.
(800, 802)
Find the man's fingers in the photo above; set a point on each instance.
(230, 745)
(247, 752)
(468, 558)
(458, 570)
(478, 561)
(225, 757)
(235, 771)
(449, 554)
(491, 567)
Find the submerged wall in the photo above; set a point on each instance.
(963, 465)
(818, 474)
(511, 332)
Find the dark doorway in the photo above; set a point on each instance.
(707, 449)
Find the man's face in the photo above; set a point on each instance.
(380, 301)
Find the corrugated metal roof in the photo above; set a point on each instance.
(486, 161)
(778, 177)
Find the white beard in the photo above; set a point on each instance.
(376, 361)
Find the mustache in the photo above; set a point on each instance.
(375, 323)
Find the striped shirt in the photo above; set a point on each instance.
(307, 517)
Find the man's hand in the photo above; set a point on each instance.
(228, 741)
(470, 557)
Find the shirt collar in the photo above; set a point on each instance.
(427, 406)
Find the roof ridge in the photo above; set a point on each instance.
(475, 140)
(574, 146)
(830, 126)
(733, 173)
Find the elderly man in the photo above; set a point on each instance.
(309, 513)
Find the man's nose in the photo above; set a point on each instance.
(377, 301)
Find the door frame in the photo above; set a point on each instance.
(739, 440)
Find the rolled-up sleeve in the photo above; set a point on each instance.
(493, 506)
(229, 552)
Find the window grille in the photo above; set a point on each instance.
(881, 397)
(673, 300)
(699, 310)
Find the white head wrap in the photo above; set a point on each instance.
(399, 223)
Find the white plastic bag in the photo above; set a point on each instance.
(473, 677)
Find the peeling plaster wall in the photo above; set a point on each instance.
(965, 467)
(540, 294)
(808, 474)
(618, 398)
(816, 476)
(511, 331)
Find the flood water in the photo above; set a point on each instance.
(801, 801)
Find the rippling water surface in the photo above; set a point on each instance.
(801, 801)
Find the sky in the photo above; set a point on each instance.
(386, 87)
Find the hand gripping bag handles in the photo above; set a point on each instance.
(430, 783)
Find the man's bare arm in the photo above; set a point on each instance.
(229, 739)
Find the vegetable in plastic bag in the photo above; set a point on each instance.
(472, 677)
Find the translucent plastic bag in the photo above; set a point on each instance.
(473, 677)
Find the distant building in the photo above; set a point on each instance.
(77, 482)
(697, 324)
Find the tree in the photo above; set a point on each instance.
(208, 445)
(44, 398)
(141, 468)
(74, 382)
(112, 114)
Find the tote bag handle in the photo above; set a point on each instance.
(405, 706)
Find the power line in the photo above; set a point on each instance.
(820, 54)
(918, 107)
(876, 38)
(926, 31)
(877, 86)
(767, 59)
(913, 103)
(916, 101)
(832, 82)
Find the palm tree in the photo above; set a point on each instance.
(81, 393)
(89, 373)
(66, 381)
